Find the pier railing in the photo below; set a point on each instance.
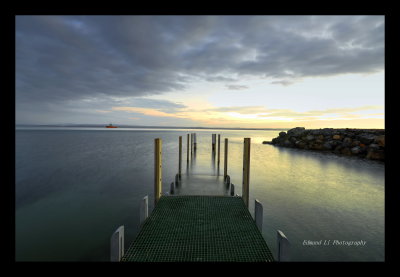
(117, 239)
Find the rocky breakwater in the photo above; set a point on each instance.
(363, 143)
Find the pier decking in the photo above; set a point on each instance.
(199, 228)
(199, 184)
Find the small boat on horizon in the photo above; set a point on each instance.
(111, 126)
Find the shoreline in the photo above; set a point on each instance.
(362, 143)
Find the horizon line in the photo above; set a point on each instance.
(144, 126)
(172, 127)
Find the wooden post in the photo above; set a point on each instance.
(117, 244)
(144, 209)
(195, 142)
(219, 146)
(283, 247)
(213, 143)
(157, 169)
(180, 156)
(246, 171)
(258, 214)
(227, 180)
(191, 144)
(187, 159)
(226, 159)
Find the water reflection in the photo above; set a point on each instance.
(327, 160)
(213, 162)
(99, 178)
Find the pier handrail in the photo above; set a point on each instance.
(118, 237)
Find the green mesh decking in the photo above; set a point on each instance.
(199, 229)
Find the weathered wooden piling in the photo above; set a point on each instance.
(213, 143)
(191, 144)
(118, 244)
(195, 142)
(219, 148)
(180, 156)
(177, 180)
(187, 159)
(157, 169)
(246, 171)
(227, 180)
(232, 189)
(226, 159)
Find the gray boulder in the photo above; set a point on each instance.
(316, 132)
(380, 140)
(310, 138)
(296, 131)
(366, 138)
(345, 151)
(300, 144)
(347, 142)
(327, 145)
(267, 142)
(316, 146)
(373, 146)
(327, 131)
(355, 143)
(287, 143)
(338, 148)
(356, 150)
(374, 154)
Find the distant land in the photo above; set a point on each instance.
(139, 126)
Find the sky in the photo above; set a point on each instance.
(201, 71)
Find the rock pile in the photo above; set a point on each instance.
(364, 143)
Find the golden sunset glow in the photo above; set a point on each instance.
(262, 117)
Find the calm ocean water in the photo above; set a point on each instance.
(75, 186)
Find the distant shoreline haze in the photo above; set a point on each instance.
(138, 126)
(171, 127)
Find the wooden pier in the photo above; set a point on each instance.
(214, 226)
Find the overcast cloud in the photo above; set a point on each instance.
(108, 58)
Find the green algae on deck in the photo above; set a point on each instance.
(199, 229)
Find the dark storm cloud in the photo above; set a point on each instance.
(62, 58)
